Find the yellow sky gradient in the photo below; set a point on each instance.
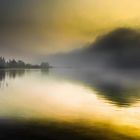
(81, 21)
(51, 26)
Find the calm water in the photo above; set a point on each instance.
(72, 96)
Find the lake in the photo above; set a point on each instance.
(68, 104)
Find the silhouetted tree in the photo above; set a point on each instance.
(20, 64)
(44, 65)
(2, 62)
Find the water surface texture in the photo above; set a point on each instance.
(71, 103)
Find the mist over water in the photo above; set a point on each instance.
(69, 70)
(72, 98)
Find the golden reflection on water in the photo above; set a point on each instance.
(35, 96)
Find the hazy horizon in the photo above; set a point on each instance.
(32, 29)
(70, 69)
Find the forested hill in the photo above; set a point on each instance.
(118, 49)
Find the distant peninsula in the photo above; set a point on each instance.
(12, 63)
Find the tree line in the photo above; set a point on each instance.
(12, 63)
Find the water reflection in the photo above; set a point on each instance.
(118, 87)
(6, 74)
(11, 73)
(120, 90)
(15, 73)
(71, 97)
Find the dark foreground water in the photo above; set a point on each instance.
(66, 104)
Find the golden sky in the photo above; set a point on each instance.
(50, 26)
